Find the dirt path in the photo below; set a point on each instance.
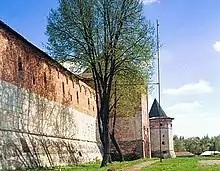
(209, 162)
(140, 165)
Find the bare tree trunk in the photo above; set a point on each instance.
(98, 108)
(115, 143)
(100, 129)
(112, 135)
(102, 100)
(105, 124)
(106, 149)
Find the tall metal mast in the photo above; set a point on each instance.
(158, 80)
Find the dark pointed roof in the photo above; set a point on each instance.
(156, 110)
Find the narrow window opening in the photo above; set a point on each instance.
(58, 74)
(163, 142)
(63, 88)
(88, 103)
(33, 79)
(80, 154)
(19, 64)
(163, 135)
(164, 152)
(77, 97)
(73, 84)
(161, 124)
(19, 69)
(45, 78)
(93, 108)
(66, 80)
(171, 125)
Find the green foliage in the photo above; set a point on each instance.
(178, 144)
(130, 100)
(197, 145)
(109, 37)
(90, 33)
(129, 87)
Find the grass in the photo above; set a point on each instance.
(182, 164)
(177, 164)
(96, 166)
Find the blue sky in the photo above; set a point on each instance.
(190, 56)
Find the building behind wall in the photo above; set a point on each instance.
(132, 131)
(160, 121)
(47, 114)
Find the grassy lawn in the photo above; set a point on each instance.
(177, 164)
(182, 164)
(96, 166)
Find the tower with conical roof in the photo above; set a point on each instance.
(159, 121)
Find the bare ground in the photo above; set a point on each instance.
(209, 162)
(139, 166)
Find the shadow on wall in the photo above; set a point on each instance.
(37, 117)
(98, 137)
(21, 150)
(27, 124)
(26, 133)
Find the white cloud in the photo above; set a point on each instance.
(147, 2)
(184, 108)
(192, 119)
(200, 87)
(216, 46)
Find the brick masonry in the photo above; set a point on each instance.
(133, 132)
(167, 147)
(47, 115)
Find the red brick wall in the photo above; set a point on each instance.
(41, 74)
(166, 122)
(133, 133)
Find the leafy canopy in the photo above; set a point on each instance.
(109, 37)
(102, 33)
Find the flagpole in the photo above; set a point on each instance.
(158, 79)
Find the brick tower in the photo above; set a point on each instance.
(157, 116)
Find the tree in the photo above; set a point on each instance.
(107, 36)
(197, 145)
(125, 97)
(178, 144)
(125, 101)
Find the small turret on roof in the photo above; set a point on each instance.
(156, 111)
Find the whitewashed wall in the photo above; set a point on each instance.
(24, 113)
(166, 137)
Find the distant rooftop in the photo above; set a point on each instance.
(184, 154)
(157, 111)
